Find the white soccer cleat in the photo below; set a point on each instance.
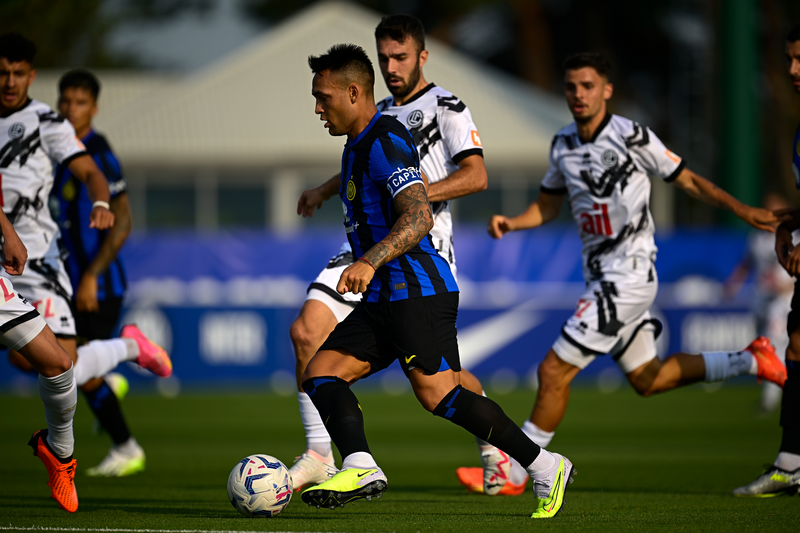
(773, 482)
(496, 468)
(312, 469)
(122, 460)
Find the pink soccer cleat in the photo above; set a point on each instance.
(151, 356)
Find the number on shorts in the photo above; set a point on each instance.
(583, 305)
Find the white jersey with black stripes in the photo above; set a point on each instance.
(32, 140)
(606, 180)
(444, 134)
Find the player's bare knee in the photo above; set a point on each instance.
(552, 375)
(303, 339)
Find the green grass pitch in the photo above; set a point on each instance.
(660, 464)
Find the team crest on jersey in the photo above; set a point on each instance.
(16, 130)
(610, 158)
(351, 189)
(414, 119)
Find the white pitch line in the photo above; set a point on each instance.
(121, 530)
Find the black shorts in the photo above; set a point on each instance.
(420, 332)
(94, 326)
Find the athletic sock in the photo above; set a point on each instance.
(105, 406)
(726, 365)
(338, 408)
(484, 418)
(362, 460)
(60, 398)
(98, 358)
(484, 446)
(537, 435)
(790, 417)
(317, 438)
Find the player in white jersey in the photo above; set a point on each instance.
(32, 138)
(451, 156)
(783, 476)
(601, 163)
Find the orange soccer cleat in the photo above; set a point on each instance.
(472, 478)
(152, 357)
(770, 367)
(62, 475)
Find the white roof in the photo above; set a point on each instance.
(254, 108)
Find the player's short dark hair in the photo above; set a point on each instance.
(794, 35)
(349, 60)
(80, 79)
(594, 60)
(401, 27)
(15, 48)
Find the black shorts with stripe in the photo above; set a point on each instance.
(419, 332)
(793, 322)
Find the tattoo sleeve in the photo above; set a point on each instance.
(413, 224)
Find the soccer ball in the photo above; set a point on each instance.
(260, 485)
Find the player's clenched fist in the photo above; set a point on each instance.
(498, 226)
(101, 218)
(355, 278)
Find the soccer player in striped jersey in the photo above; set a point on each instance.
(783, 476)
(32, 138)
(95, 271)
(601, 163)
(451, 156)
(409, 298)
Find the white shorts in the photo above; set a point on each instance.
(20, 323)
(323, 288)
(46, 285)
(611, 318)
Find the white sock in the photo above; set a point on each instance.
(361, 460)
(60, 398)
(788, 461)
(98, 358)
(317, 437)
(544, 461)
(129, 447)
(725, 365)
(537, 435)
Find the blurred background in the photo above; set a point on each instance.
(207, 104)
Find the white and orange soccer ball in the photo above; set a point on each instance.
(260, 486)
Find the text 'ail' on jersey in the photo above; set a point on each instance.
(32, 140)
(377, 165)
(444, 134)
(606, 180)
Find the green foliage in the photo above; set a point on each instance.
(661, 464)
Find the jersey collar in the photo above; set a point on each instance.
(600, 128)
(9, 113)
(365, 130)
(417, 96)
(88, 136)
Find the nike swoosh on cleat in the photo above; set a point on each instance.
(555, 490)
(365, 473)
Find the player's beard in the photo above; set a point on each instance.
(404, 90)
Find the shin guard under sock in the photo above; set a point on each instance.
(790, 409)
(338, 407)
(485, 419)
(105, 406)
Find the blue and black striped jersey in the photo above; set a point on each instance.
(376, 165)
(71, 207)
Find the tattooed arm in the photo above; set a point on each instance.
(700, 188)
(414, 222)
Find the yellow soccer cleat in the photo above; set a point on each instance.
(550, 487)
(346, 486)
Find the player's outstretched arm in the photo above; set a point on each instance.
(414, 222)
(788, 254)
(86, 294)
(700, 188)
(312, 199)
(470, 178)
(85, 170)
(14, 252)
(541, 211)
